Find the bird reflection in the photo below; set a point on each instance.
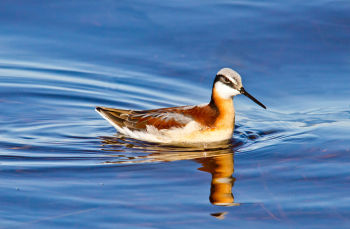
(218, 160)
(221, 168)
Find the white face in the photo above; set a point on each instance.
(228, 83)
(225, 91)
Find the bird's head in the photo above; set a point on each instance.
(228, 83)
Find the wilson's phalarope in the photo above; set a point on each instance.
(210, 122)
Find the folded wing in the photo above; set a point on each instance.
(165, 118)
(139, 120)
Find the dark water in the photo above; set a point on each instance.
(62, 165)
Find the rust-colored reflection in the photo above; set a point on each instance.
(218, 160)
(221, 168)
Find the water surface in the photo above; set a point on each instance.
(62, 165)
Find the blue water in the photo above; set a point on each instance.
(63, 166)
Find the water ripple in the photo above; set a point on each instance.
(53, 93)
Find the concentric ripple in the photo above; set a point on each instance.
(52, 120)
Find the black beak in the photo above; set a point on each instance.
(244, 92)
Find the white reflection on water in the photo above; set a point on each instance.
(216, 159)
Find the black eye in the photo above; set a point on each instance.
(225, 80)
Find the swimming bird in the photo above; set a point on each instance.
(212, 122)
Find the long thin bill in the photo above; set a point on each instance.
(244, 92)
